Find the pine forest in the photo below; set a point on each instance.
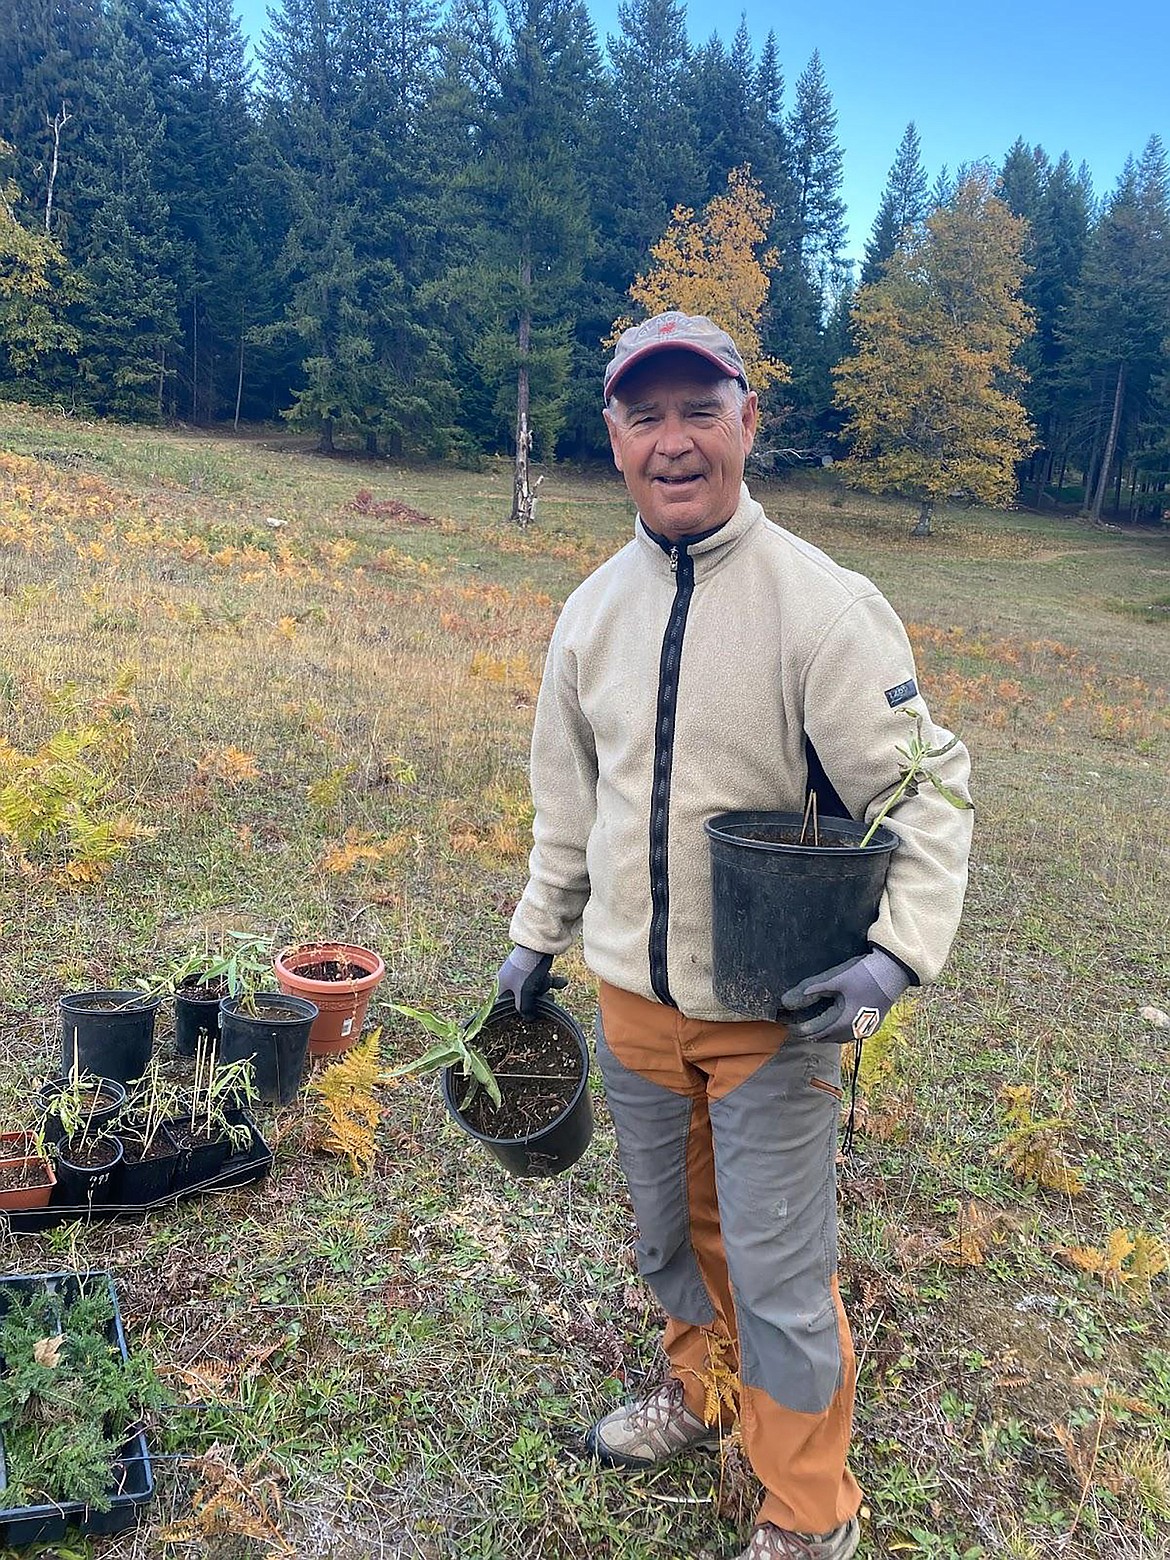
(412, 230)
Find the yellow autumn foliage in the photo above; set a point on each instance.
(716, 264)
(931, 387)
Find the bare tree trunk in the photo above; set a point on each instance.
(195, 357)
(56, 125)
(162, 377)
(921, 526)
(1110, 445)
(1090, 471)
(325, 443)
(523, 494)
(239, 376)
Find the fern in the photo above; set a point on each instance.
(1032, 1148)
(1125, 1263)
(351, 1110)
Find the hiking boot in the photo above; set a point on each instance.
(657, 1427)
(772, 1543)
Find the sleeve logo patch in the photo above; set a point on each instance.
(902, 693)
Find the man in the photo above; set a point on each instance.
(718, 662)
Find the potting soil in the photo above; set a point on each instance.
(537, 1066)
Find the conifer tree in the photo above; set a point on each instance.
(214, 204)
(122, 237)
(717, 265)
(1120, 316)
(528, 216)
(931, 391)
(810, 241)
(904, 204)
(45, 51)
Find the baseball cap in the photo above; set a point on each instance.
(672, 331)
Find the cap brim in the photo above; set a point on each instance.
(669, 346)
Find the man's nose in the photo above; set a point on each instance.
(674, 437)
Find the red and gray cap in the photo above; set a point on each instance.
(673, 331)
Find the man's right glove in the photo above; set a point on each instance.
(862, 992)
(524, 976)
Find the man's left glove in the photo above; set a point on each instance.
(524, 976)
(863, 990)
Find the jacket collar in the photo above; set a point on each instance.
(713, 547)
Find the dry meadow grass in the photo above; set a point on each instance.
(326, 732)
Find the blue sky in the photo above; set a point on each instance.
(1089, 80)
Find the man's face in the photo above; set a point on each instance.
(680, 433)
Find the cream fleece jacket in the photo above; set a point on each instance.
(778, 643)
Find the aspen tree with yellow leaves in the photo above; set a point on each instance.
(930, 391)
(717, 264)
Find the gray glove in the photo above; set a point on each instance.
(524, 976)
(863, 990)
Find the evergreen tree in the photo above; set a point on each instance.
(904, 204)
(1054, 253)
(1120, 317)
(810, 239)
(214, 204)
(930, 391)
(45, 51)
(651, 129)
(122, 236)
(529, 217)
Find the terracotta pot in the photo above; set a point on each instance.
(342, 1003)
(16, 1148)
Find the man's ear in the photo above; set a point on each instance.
(614, 432)
(750, 416)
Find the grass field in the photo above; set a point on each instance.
(326, 732)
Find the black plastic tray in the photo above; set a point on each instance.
(133, 1476)
(240, 1170)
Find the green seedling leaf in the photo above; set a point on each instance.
(439, 1027)
(953, 797)
(445, 1054)
(484, 1074)
(482, 1013)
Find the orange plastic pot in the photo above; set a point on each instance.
(304, 971)
(16, 1149)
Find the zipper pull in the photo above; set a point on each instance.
(674, 560)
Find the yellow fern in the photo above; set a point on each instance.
(351, 1111)
(1032, 1149)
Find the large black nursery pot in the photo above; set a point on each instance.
(275, 1038)
(196, 1019)
(110, 1033)
(783, 911)
(555, 1147)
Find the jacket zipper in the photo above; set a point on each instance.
(683, 569)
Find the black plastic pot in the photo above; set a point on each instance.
(556, 1147)
(276, 1040)
(113, 1042)
(197, 1162)
(97, 1119)
(138, 1181)
(81, 1185)
(782, 911)
(196, 1020)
